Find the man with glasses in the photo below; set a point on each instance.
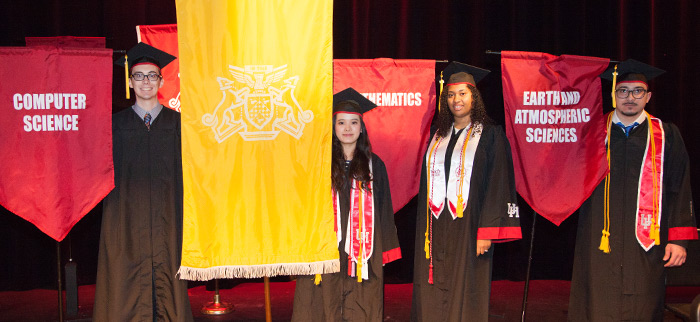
(141, 238)
(639, 219)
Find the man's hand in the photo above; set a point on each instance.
(675, 255)
(483, 245)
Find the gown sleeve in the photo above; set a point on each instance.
(678, 205)
(499, 219)
(385, 212)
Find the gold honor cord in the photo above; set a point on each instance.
(654, 229)
(126, 74)
(605, 239)
(427, 203)
(361, 231)
(460, 199)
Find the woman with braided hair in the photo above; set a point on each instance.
(467, 201)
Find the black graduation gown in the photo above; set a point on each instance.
(462, 281)
(628, 283)
(141, 238)
(340, 297)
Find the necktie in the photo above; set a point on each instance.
(147, 119)
(627, 129)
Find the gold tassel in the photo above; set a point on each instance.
(614, 101)
(605, 242)
(427, 246)
(440, 95)
(317, 279)
(654, 232)
(460, 209)
(126, 74)
(359, 270)
(605, 239)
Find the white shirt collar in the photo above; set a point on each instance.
(642, 116)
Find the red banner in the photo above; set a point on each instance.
(164, 37)
(56, 134)
(404, 91)
(555, 125)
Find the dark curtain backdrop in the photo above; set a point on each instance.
(662, 33)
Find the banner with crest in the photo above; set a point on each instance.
(164, 37)
(256, 80)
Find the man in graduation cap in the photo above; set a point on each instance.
(639, 220)
(364, 221)
(467, 201)
(141, 238)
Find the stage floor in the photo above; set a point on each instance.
(547, 301)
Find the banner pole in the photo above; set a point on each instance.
(268, 310)
(60, 286)
(491, 52)
(70, 273)
(217, 307)
(529, 265)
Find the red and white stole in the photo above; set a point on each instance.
(359, 243)
(462, 162)
(650, 186)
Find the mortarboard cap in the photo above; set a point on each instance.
(143, 53)
(632, 70)
(350, 101)
(456, 73)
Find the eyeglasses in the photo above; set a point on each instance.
(141, 76)
(625, 92)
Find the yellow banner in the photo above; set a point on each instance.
(256, 91)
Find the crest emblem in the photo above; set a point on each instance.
(513, 210)
(258, 104)
(646, 220)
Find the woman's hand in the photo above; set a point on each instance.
(482, 246)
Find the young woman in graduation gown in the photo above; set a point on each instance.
(361, 201)
(467, 201)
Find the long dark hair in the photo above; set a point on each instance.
(359, 166)
(446, 119)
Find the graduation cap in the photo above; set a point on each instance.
(630, 71)
(459, 73)
(143, 54)
(350, 101)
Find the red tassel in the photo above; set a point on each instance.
(430, 274)
(350, 270)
